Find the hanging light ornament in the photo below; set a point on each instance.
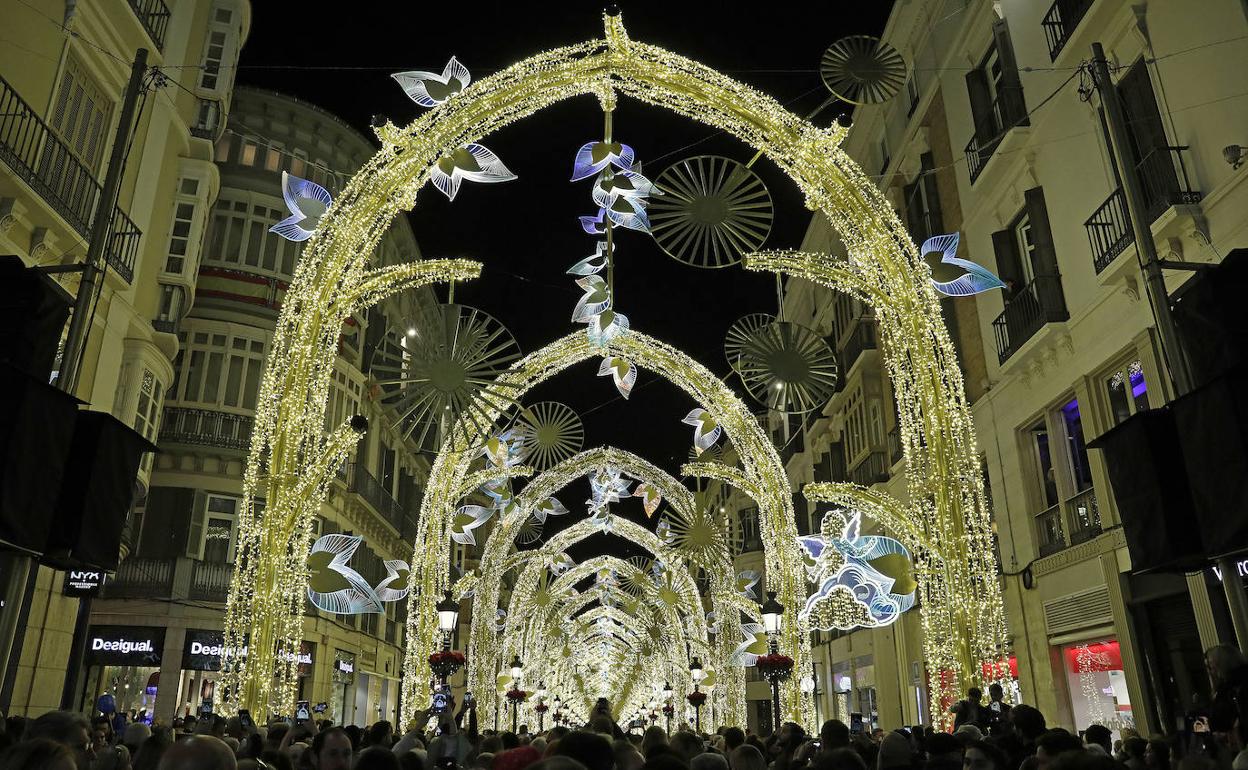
(307, 202)
(552, 433)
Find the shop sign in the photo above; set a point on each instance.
(344, 667)
(1241, 565)
(124, 646)
(83, 582)
(204, 650)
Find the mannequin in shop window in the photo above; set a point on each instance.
(968, 711)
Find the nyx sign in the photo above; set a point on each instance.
(83, 582)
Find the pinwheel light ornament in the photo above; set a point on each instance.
(307, 202)
(473, 162)
(952, 276)
(429, 89)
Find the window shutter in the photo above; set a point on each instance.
(1008, 267)
(914, 219)
(1013, 108)
(195, 533)
(981, 106)
(935, 220)
(1045, 258)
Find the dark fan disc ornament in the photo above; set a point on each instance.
(861, 69)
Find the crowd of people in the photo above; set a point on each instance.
(990, 735)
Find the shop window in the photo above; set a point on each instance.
(1097, 684)
(1127, 391)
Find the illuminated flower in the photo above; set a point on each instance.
(705, 430)
(597, 298)
(629, 212)
(548, 507)
(472, 162)
(596, 156)
(594, 225)
(610, 187)
(428, 89)
(650, 497)
(622, 371)
(466, 519)
(605, 327)
(955, 277)
(747, 580)
(307, 202)
(594, 263)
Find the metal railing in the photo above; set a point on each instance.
(1049, 533)
(1038, 303)
(1163, 183)
(154, 16)
(206, 427)
(1060, 23)
(1083, 516)
(871, 469)
(377, 496)
(166, 325)
(41, 160)
(1007, 111)
(210, 581)
(862, 338)
(209, 121)
(894, 445)
(139, 578)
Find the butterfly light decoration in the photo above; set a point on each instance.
(952, 276)
(747, 581)
(548, 507)
(467, 519)
(622, 372)
(335, 587)
(307, 202)
(706, 431)
(429, 89)
(753, 644)
(473, 162)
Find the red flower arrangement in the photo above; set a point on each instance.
(668, 710)
(516, 695)
(696, 699)
(775, 666)
(446, 662)
(541, 708)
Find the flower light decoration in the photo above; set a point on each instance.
(292, 459)
(429, 89)
(706, 431)
(307, 202)
(869, 586)
(952, 276)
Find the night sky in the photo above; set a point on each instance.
(525, 231)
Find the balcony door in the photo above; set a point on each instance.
(1150, 149)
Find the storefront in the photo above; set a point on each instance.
(201, 663)
(854, 693)
(1097, 684)
(342, 688)
(123, 661)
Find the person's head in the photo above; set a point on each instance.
(379, 734)
(839, 759)
(377, 758)
(943, 748)
(733, 737)
(984, 756)
(1134, 747)
(1221, 660)
(708, 761)
(276, 734)
(996, 692)
(557, 763)
(602, 724)
(516, 759)
(968, 734)
(627, 757)
(665, 760)
(510, 740)
(1053, 743)
(746, 757)
(590, 749)
(896, 752)
(135, 734)
(1099, 735)
(1028, 721)
(202, 752)
(555, 734)
(1084, 760)
(99, 732)
(491, 744)
(413, 759)
(1157, 754)
(654, 736)
(331, 750)
(38, 754)
(686, 745)
(112, 758)
(71, 730)
(834, 734)
(791, 735)
(974, 695)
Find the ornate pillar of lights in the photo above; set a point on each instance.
(696, 698)
(773, 665)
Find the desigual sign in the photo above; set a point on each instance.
(124, 646)
(204, 650)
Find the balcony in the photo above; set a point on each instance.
(139, 578)
(42, 161)
(154, 16)
(1076, 520)
(364, 484)
(894, 445)
(872, 469)
(210, 581)
(1163, 183)
(206, 427)
(1036, 304)
(1007, 112)
(861, 339)
(1049, 533)
(209, 120)
(1060, 23)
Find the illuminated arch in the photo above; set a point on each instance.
(962, 611)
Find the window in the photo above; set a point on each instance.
(273, 158)
(220, 50)
(1072, 422)
(1044, 463)
(1026, 247)
(80, 117)
(220, 520)
(240, 238)
(147, 414)
(172, 298)
(993, 73)
(345, 395)
(912, 91)
(221, 370)
(223, 148)
(185, 232)
(248, 156)
(748, 520)
(1066, 503)
(1127, 391)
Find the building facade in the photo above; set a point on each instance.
(997, 113)
(63, 70)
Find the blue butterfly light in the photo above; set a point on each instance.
(956, 277)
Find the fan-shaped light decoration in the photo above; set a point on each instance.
(473, 162)
(783, 365)
(332, 585)
(552, 433)
(952, 276)
(307, 202)
(741, 333)
(713, 210)
(429, 89)
(862, 69)
(530, 531)
(697, 536)
(445, 371)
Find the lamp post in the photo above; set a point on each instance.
(696, 675)
(541, 712)
(517, 668)
(773, 613)
(448, 620)
(555, 717)
(667, 705)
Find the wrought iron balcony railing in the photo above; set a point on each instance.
(1049, 532)
(1060, 23)
(43, 161)
(1038, 303)
(1083, 516)
(377, 496)
(210, 581)
(1007, 111)
(1163, 183)
(154, 16)
(872, 469)
(206, 427)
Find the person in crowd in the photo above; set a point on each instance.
(134, 736)
(379, 734)
(686, 745)
(1030, 725)
(1133, 749)
(839, 759)
(654, 736)
(944, 752)
(969, 710)
(199, 752)
(968, 734)
(516, 759)
(38, 754)
(627, 757)
(152, 750)
(71, 730)
(746, 757)
(590, 749)
(997, 712)
(733, 737)
(896, 752)
(1157, 754)
(331, 750)
(982, 755)
(1228, 673)
(1053, 743)
(413, 759)
(706, 761)
(558, 763)
(377, 757)
(1099, 737)
(112, 758)
(833, 735)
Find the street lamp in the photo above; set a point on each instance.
(773, 615)
(517, 668)
(668, 709)
(696, 675)
(448, 618)
(540, 692)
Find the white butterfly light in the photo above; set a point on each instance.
(429, 89)
(335, 587)
(307, 202)
(622, 371)
(705, 430)
(396, 574)
(468, 518)
(548, 507)
(650, 496)
(473, 162)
